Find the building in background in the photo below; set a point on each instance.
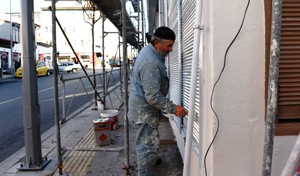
(8, 59)
(79, 32)
(9, 63)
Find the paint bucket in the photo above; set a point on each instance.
(102, 131)
(112, 115)
(100, 106)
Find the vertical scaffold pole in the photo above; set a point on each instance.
(55, 79)
(125, 84)
(273, 87)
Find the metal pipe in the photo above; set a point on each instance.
(139, 33)
(273, 87)
(121, 81)
(166, 5)
(103, 62)
(106, 82)
(294, 160)
(195, 63)
(55, 80)
(31, 107)
(160, 13)
(93, 54)
(143, 39)
(125, 82)
(63, 99)
(180, 46)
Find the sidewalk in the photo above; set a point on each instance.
(82, 157)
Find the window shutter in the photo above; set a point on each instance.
(188, 22)
(288, 116)
(175, 66)
(289, 67)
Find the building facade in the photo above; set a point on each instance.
(9, 37)
(226, 93)
(10, 48)
(78, 28)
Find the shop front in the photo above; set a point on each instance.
(4, 61)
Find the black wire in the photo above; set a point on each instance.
(214, 86)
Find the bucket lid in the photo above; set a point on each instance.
(100, 120)
(109, 113)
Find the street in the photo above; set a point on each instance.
(11, 105)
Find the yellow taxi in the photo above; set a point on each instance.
(42, 69)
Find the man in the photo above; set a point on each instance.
(149, 87)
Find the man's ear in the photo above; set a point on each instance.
(156, 42)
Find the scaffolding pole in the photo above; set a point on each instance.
(273, 87)
(55, 82)
(293, 162)
(127, 166)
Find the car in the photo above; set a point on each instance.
(68, 67)
(42, 69)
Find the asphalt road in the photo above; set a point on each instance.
(78, 93)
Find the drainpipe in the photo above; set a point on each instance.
(179, 4)
(166, 19)
(195, 60)
(161, 13)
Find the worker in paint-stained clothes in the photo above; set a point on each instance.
(149, 87)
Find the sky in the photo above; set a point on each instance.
(15, 5)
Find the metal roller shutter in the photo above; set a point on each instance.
(174, 59)
(188, 21)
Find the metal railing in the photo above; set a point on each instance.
(84, 88)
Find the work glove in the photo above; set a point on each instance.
(180, 111)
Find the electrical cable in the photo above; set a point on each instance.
(214, 86)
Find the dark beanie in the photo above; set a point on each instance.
(164, 32)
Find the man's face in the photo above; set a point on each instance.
(164, 47)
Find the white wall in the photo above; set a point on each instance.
(239, 95)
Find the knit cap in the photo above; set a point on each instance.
(164, 32)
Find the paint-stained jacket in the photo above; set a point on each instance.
(149, 87)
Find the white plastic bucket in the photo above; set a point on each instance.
(112, 115)
(100, 106)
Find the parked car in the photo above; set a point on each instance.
(68, 67)
(42, 69)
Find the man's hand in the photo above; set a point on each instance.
(180, 111)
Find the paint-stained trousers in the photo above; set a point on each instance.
(147, 149)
